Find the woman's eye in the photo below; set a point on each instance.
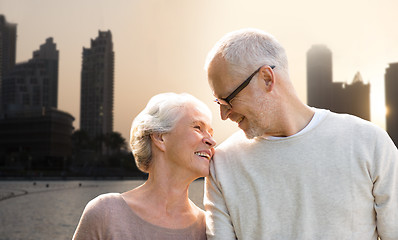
(197, 127)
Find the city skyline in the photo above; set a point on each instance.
(340, 97)
(160, 46)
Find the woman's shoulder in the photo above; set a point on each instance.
(106, 198)
(99, 212)
(103, 202)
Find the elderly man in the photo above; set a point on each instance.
(294, 172)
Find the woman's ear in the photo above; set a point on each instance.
(158, 141)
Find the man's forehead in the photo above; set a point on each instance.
(220, 80)
(217, 66)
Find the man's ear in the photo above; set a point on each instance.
(269, 77)
(158, 141)
(269, 84)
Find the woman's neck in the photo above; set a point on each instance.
(167, 193)
(163, 199)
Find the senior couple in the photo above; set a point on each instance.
(293, 172)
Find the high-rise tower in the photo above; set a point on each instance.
(48, 56)
(319, 76)
(96, 105)
(352, 98)
(8, 40)
(391, 88)
(33, 83)
(33, 131)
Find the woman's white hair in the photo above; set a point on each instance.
(159, 116)
(248, 49)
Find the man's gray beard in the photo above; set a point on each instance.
(253, 133)
(254, 129)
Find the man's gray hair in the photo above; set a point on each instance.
(159, 116)
(246, 50)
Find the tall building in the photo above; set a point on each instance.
(33, 133)
(96, 104)
(8, 40)
(33, 83)
(48, 56)
(319, 77)
(352, 98)
(339, 97)
(391, 94)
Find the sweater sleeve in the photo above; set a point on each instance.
(385, 188)
(218, 220)
(91, 222)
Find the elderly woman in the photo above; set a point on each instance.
(171, 140)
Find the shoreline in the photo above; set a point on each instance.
(4, 179)
(69, 178)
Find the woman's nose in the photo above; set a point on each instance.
(210, 141)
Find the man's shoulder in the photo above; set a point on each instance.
(355, 126)
(350, 119)
(235, 138)
(233, 148)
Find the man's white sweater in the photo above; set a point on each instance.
(338, 180)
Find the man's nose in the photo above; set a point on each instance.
(224, 111)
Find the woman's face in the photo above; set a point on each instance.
(190, 145)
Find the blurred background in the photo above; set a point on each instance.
(74, 74)
(91, 66)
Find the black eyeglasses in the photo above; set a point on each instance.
(226, 101)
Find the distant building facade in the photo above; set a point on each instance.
(319, 77)
(97, 81)
(352, 98)
(37, 137)
(391, 95)
(8, 41)
(33, 133)
(33, 83)
(339, 97)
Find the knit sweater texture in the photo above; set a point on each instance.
(339, 180)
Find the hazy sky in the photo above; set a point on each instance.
(161, 45)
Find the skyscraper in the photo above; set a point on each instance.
(96, 105)
(33, 83)
(352, 98)
(33, 132)
(48, 56)
(339, 97)
(319, 76)
(391, 93)
(8, 40)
